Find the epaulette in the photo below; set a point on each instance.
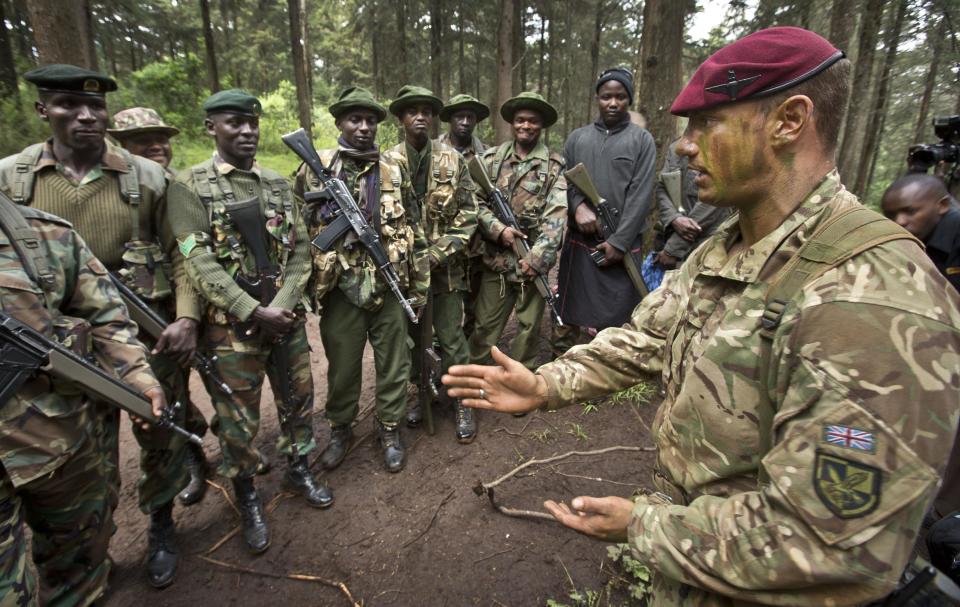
(34, 213)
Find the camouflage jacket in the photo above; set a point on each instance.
(348, 265)
(476, 146)
(46, 421)
(537, 192)
(448, 214)
(215, 251)
(867, 367)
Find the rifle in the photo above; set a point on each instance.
(24, 351)
(609, 221)
(152, 324)
(247, 217)
(347, 216)
(430, 365)
(501, 207)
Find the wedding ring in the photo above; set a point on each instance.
(483, 395)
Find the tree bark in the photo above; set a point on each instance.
(297, 13)
(402, 31)
(211, 52)
(594, 55)
(436, 46)
(860, 87)
(660, 75)
(938, 35)
(542, 45)
(374, 50)
(504, 67)
(61, 31)
(462, 63)
(843, 20)
(8, 69)
(519, 67)
(877, 117)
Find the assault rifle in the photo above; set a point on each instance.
(347, 216)
(153, 325)
(430, 365)
(609, 221)
(501, 207)
(24, 351)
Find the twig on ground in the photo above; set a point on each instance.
(301, 577)
(490, 556)
(226, 495)
(269, 509)
(591, 478)
(432, 519)
(516, 512)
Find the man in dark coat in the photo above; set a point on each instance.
(620, 158)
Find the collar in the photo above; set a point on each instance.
(603, 128)
(111, 159)
(224, 168)
(945, 233)
(539, 152)
(747, 265)
(419, 155)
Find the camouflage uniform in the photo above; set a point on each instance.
(537, 192)
(129, 251)
(816, 497)
(448, 214)
(356, 305)
(52, 474)
(215, 253)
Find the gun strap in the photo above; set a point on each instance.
(26, 243)
(130, 191)
(840, 237)
(23, 175)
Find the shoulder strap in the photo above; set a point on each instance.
(842, 236)
(130, 191)
(26, 243)
(23, 175)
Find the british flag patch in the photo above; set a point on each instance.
(849, 438)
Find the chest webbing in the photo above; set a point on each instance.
(26, 244)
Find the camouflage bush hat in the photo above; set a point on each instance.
(234, 101)
(136, 120)
(357, 97)
(529, 101)
(763, 63)
(464, 102)
(65, 78)
(410, 94)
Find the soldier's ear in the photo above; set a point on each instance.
(791, 119)
(41, 110)
(208, 126)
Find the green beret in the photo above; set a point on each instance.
(64, 78)
(464, 102)
(410, 94)
(357, 97)
(529, 101)
(234, 101)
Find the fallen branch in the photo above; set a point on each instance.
(300, 577)
(518, 513)
(432, 519)
(226, 495)
(269, 509)
(591, 478)
(490, 556)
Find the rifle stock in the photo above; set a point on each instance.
(609, 221)
(430, 365)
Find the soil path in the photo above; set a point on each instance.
(420, 537)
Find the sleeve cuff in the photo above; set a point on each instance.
(243, 308)
(553, 395)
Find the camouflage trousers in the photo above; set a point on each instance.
(243, 365)
(497, 298)
(163, 470)
(69, 514)
(344, 331)
(448, 331)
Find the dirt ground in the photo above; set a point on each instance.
(420, 537)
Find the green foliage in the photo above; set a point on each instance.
(577, 431)
(635, 395)
(630, 582)
(637, 573)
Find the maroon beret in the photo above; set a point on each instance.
(762, 63)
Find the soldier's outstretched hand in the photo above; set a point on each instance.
(605, 518)
(508, 386)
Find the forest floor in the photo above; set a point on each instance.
(420, 537)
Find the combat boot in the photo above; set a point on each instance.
(255, 532)
(414, 414)
(162, 555)
(299, 477)
(394, 456)
(196, 462)
(466, 423)
(340, 437)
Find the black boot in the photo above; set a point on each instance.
(196, 462)
(299, 477)
(161, 548)
(414, 414)
(255, 532)
(340, 437)
(394, 456)
(466, 423)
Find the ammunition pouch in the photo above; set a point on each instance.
(146, 270)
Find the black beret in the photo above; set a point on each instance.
(70, 79)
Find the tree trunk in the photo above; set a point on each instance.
(766, 14)
(374, 51)
(660, 76)
(61, 30)
(436, 47)
(297, 13)
(938, 35)
(866, 45)
(504, 67)
(518, 68)
(594, 55)
(402, 31)
(462, 63)
(876, 121)
(843, 20)
(89, 39)
(8, 69)
(542, 45)
(212, 74)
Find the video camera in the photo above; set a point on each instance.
(925, 155)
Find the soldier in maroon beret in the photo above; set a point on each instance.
(795, 347)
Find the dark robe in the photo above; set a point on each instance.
(621, 161)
